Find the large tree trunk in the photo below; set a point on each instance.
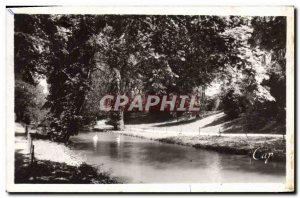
(117, 117)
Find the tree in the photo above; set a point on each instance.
(125, 54)
(29, 101)
(270, 35)
(70, 66)
(29, 43)
(257, 88)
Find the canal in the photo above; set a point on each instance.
(136, 160)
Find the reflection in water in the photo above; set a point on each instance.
(95, 138)
(140, 160)
(118, 140)
(95, 142)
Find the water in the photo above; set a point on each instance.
(137, 160)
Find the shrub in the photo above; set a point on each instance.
(232, 103)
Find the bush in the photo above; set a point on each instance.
(212, 103)
(232, 104)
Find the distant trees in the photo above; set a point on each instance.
(233, 103)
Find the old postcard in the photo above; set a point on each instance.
(150, 99)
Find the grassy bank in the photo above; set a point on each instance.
(235, 145)
(55, 163)
(49, 172)
(218, 133)
(241, 145)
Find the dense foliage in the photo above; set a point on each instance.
(29, 101)
(84, 57)
(258, 90)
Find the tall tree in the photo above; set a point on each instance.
(148, 54)
(270, 35)
(29, 67)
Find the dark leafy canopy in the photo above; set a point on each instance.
(29, 65)
(71, 63)
(30, 45)
(148, 54)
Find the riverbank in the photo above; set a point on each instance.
(55, 163)
(264, 147)
(272, 147)
(215, 132)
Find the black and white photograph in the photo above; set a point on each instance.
(150, 100)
